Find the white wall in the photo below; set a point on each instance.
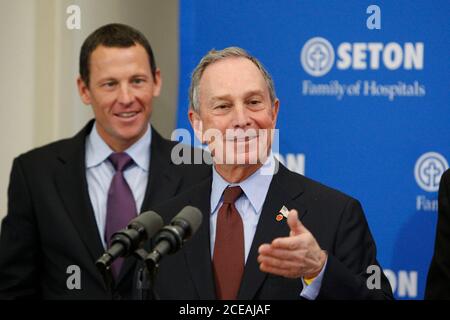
(17, 85)
(39, 66)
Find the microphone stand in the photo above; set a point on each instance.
(145, 277)
(107, 278)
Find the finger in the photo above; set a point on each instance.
(294, 223)
(277, 271)
(277, 263)
(288, 243)
(264, 248)
(284, 254)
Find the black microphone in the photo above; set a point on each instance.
(172, 237)
(126, 241)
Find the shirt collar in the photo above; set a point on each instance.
(97, 151)
(255, 187)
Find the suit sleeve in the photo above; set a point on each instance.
(438, 282)
(354, 250)
(19, 248)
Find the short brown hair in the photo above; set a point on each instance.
(113, 35)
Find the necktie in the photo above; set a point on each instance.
(120, 206)
(228, 257)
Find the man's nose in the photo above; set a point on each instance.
(241, 117)
(126, 96)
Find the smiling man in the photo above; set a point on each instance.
(66, 199)
(267, 233)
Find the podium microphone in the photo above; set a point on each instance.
(172, 237)
(128, 240)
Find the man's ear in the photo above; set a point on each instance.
(196, 123)
(275, 109)
(157, 83)
(84, 92)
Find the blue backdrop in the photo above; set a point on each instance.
(363, 110)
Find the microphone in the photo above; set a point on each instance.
(172, 237)
(126, 241)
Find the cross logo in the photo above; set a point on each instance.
(429, 169)
(317, 56)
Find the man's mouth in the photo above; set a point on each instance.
(126, 115)
(240, 137)
(243, 139)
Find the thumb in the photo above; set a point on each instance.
(294, 224)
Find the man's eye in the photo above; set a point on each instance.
(255, 102)
(222, 106)
(138, 81)
(109, 84)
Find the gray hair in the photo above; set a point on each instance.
(217, 55)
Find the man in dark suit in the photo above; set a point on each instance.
(64, 197)
(267, 233)
(438, 282)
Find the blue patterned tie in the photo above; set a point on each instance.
(120, 206)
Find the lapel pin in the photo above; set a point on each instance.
(284, 212)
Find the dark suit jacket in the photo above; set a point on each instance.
(438, 282)
(336, 221)
(51, 225)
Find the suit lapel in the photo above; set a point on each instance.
(198, 252)
(72, 186)
(163, 182)
(282, 192)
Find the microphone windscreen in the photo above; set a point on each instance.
(151, 221)
(192, 215)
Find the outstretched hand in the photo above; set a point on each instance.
(298, 255)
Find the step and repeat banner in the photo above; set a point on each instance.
(364, 104)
